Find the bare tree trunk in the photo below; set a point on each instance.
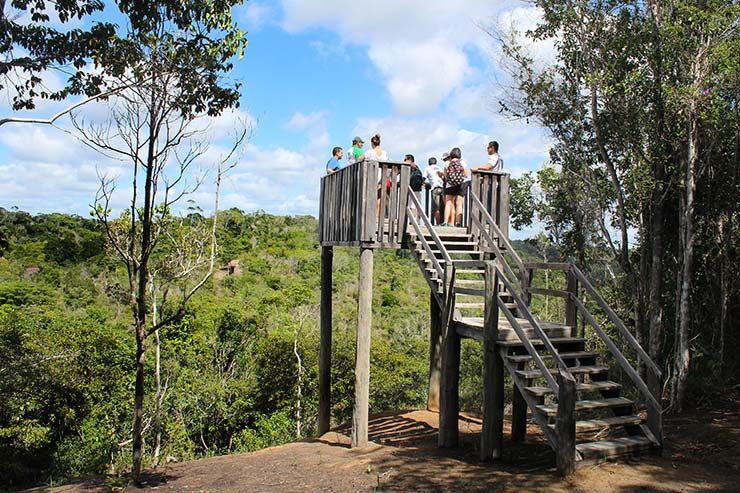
(683, 355)
(138, 438)
(157, 382)
(298, 418)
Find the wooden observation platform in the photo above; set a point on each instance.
(481, 289)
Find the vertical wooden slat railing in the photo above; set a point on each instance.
(356, 207)
(492, 190)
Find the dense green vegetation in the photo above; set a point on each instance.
(228, 368)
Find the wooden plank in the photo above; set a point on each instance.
(404, 192)
(449, 402)
(550, 292)
(503, 200)
(518, 415)
(547, 265)
(362, 359)
(393, 208)
(383, 200)
(654, 410)
(565, 424)
(584, 405)
(436, 339)
(324, 419)
(571, 312)
(493, 375)
(371, 212)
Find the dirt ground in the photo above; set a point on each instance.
(702, 453)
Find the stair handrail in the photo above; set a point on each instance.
(428, 224)
(425, 244)
(626, 334)
(476, 203)
(524, 309)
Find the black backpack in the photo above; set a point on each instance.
(417, 179)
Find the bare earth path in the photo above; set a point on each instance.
(702, 454)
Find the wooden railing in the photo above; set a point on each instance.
(651, 391)
(562, 438)
(364, 204)
(492, 190)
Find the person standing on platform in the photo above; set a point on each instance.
(416, 182)
(495, 163)
(433, 179)
(455, 179)
(333, 165)
(356, 153)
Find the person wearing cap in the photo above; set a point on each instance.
(495, 163)
(356, 154)
(433, 176)
(333, 165)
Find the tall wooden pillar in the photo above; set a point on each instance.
(449, 398)
(327, 257)
(436, 339)
(492, 435)
(362, 358)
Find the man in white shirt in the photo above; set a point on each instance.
(495, 163)
(433, 180)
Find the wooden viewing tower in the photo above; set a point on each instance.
(481, 289)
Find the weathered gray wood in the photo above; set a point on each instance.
(362, 359)
(393, 206)
(403, 200)
(518, 416)
(571, 312)
(550, 292)
(547, 265)
(621, 359)
(493, 374)
(565, 424)
(498, 233)
(503, 200)
(327, 255)
(449, 399)
(526, 285)
(616, 321)
(383, 202)
(436, 340)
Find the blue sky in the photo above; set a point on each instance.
(316, 73)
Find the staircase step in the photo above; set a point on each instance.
(613, 422)
(470, 291)
(585, 370)
(614, 448)
(537, 343)
(469, 282)
(552, 409)
(581, 387)
(470, 271)
(521, 358)
(449, 245)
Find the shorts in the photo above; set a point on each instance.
(437, 198)
(456, 190)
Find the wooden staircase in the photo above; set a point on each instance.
(541, 357)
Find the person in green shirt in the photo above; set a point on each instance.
(356, 154)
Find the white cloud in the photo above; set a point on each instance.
(418, 47)
(254, 15)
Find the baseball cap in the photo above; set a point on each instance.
(357, 139)
(445, 156)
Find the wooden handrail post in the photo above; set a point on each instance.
(571, 312)
(527, 277)
(493, 373)
(565, 424)
(436, 341)
(324, 420)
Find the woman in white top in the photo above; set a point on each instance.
(375, 153)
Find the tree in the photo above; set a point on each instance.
(183, 50)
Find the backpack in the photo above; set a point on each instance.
(455, 173)
(417, 179)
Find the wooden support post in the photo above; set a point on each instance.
(449, 399)
(527, 277)
(362, 358)
(518, 416)
(492, 436)
(565, 424)
(327, 257)
(655, 415)
(436, 340)
(571, 312)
